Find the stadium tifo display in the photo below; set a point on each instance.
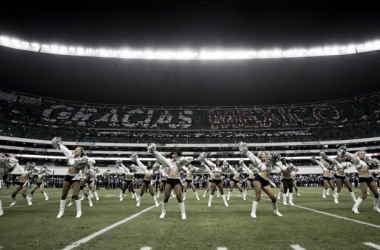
(60, 113)
(42, 118)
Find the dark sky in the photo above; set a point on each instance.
(210, 24)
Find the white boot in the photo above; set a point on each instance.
(163, 213)
(91, 196)
(243, 194)
(173, 195)
(336, 197)
(327, 191)
(158, 194)
(89, 201)
(324, 194)
(28, 200)
(71, 202)
(279, 195)
(353, 196)
(287, 193)
(46, 196)
(82, 198)
(217, 193)
(275, 209)
(224, 200)
(182, 209)
(376, 205)
(356, 206)
(155, 200)
(1, 209)
(334, 192)
(210, 200)
(367, 190)
(204, 195)
(291, 199)
(254, 207)
(134, 195)
(78, 203)
(96, 195)
(284, 201)
(138, 201)
(228, 195)
(184, 195)
(14, 202)
(196, 195)
(62, 205)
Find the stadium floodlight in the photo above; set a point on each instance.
(188, 54)
(15, 41)
(54, 48)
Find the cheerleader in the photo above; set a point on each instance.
(83, 187)
(327, 177)
(76, 162)
(7, 164)
(252, 173)
(340, 165)
(189, 180)
(128, 179)
(23, 183)
(363, 164)
(235, 180)
(293, 175)
(209, 184)
(149, 172)
(164, 178)
(217, 170)
(173, 181)
(90, 177)
(218, 164)
(264, 163)
(42, 173)
(287, 180)
(281, 189)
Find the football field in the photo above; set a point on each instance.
(313, 223)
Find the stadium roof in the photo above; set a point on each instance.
(204, 25)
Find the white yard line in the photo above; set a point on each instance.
(34, 204)
(370, 244)
(146, 248)
(104, 230)
(333, 215)
(222, 248)
(326, 195)
(340, 217)
(297, 247)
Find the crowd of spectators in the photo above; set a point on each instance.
(39, 118)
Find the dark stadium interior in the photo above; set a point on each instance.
(220, 24)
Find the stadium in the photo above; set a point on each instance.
(104, 106)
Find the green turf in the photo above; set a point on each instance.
(36, 226)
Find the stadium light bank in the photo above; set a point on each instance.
(187, 54)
